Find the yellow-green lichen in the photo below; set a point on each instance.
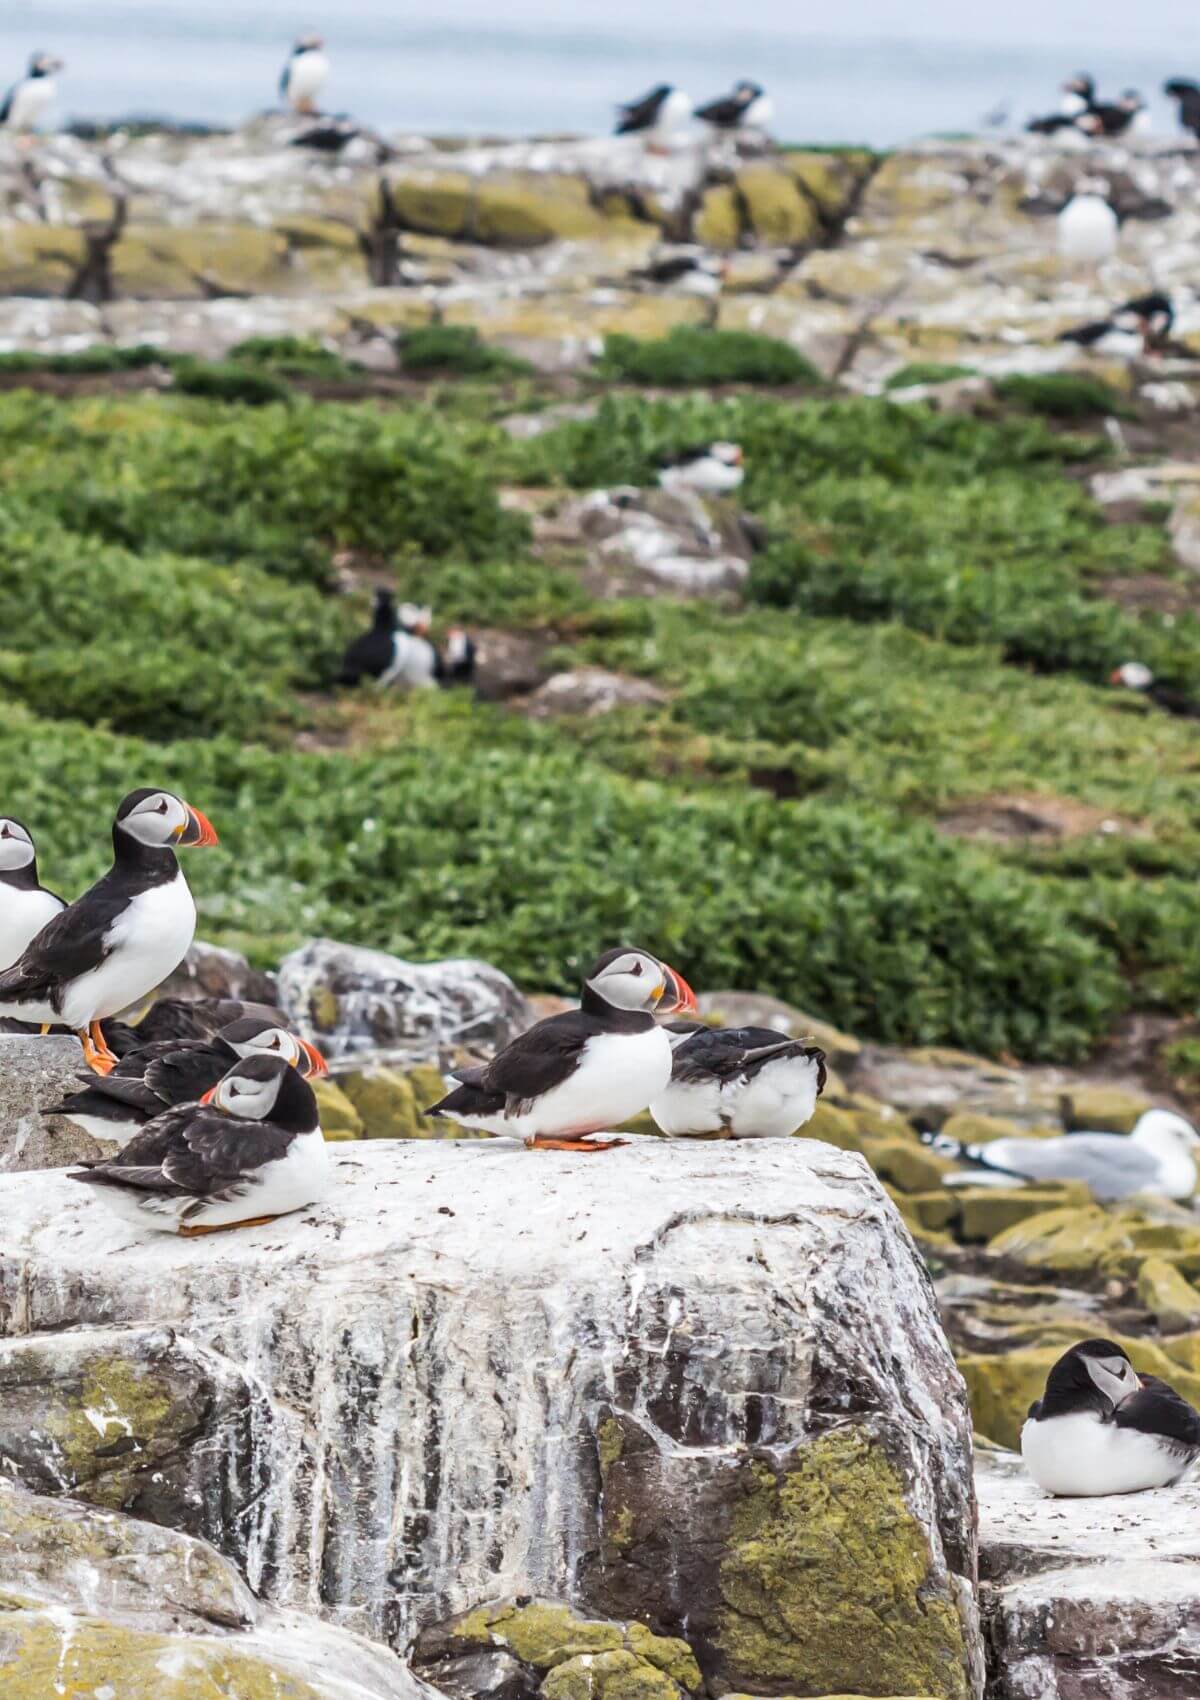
(668, 1652)
(610, 1440)
(777, 212)
(638, 1665)
(339, 1118)
(119, 1401)
(618, 1675)
(541, 1634)
(828, 1582)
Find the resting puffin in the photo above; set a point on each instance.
(25, 904)
(108, 949)
(1136, 676)
(746, 1082)
(746, 108)
(1141, 326)
(715, 470)
(1102, 1428)
(167, 1072)
(181, 1019)
(1115, 118)
(455, 665)
(588, 1069)
(250, 1150)
(656, 115)
(27, 101)
(304, 74)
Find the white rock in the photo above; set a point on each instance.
(456, 1323)
(35, 1072)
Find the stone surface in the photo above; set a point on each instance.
(590, 691)
(1086, 1598)
(36, 1071)
(211, 971)
(361, 1003)
(656, 542)
(105, 1607)
(636, 1388)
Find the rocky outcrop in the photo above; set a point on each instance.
(656, 543)
(211, 971)
(698, 1389)
(105, 1606)
(35, 1071)
(359, 1003)
(1085, 1597)
(590, 691)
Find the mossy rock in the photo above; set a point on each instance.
(987, 1211)
(38, 259)
(162, 262)
(339, 1118)
(1172, 1300)
(717, 222)
(907, 1164)
(436, 205)
(1104, 1109)
(617, 1675)
(529, 211)
(1002, 1387)
(777, 213)
(829, 1584)
(1070, 1241)
(972, 1127)
(392, 1105)
(829, 180)
(931, 1211)
(550, 1637)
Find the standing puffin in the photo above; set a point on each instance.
(581, 1072)
(157, 1076)
(746, 108)
(1087, 225)
(304, 74)
(251, 1150)
(28, 100)
(1187, 95)
(414, 662)
(370, 655)
(656, 115)
(746, 1082)
(108, 949)
(715, 470)
(1078, 95)
(1102, 1428)
(25, 904)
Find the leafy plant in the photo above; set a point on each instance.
(226, 380)
(1063, 395)
(690, 357)
(457, 350)
(926, 372)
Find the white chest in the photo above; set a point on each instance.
(307, 74)
(1081, 1457)
(23, 914)
(147, 942)
(30, 100)
(618, 1075)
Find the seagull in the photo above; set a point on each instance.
(27, 101)
(304, 74)
(1102, 1428)
(1159, 1157)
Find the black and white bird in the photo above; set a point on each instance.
(657, 116)
(1158, 1157)
(396, 650)
(690, 270)
(584, 1071)
(106, 951)
(746, 1082)
(25, 903)
(1136, 676)
(1078, 95)
(1141, 326)
(370, 656)
(746, 107)
(251, 1150)
(1088, 228)
(1102, 1428)
(304, 74)
(1059, 124)
(715, 470)
(167, 1072)
(455, 663)
(1110, 119)
(183, 1019)
(1186, 95)
(27, 101)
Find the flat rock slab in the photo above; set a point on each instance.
(34, 1072)
(1084, 1598)
(490, 1352)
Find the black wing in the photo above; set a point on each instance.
(6, 109)
(141, 1165)
(640, 114)
(71, 944)
(368, 656)
(1050, 126)
(726, 1053)
(1086, 335)
(220, 1150)
(1159, 1410)
(725, 111)
(186, 1072)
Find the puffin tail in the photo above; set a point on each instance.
(469, 1098)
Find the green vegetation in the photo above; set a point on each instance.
(457, 350)
(690, 358)
(293, 357)
(168, 615)
(226, 380)
(102, 357)
(1063, 395)
(926, 372)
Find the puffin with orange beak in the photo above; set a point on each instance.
(111, 947)
(584, 1071)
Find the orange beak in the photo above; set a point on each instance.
(199, 833)
(312, 1064)
(1114, 678)
(684, 996)
(207, 1097)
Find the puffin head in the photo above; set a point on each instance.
(258, 1036)
(160, 820)
(385, 608)
(1093, 1366)
(16, 845)
(265, 1088)
(747, 91)
(635, 980)
(415, 619)
(1181, 88)
(1082, 84)
(1134, 675)
(1131, 101)
(729, 454)
(44, 64)
(309, 44)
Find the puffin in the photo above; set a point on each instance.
(1158, 1157)
(414, 662)
(1115, 118)
(107, 950)
(25, 903)
(1054, 124)
(167, 1072)
(455, 665)
(370, 656)
(1141, 326)
(28, 100)
(744, 1082)
(1101, 1428)
(715, 470)
(690, 270)
(1087, 225)
(655, 115)
(1078, 95)
(588, 1069)
(182, 1019)
(304, 74)
(1136, 676)
(746, 108)
(250, 1150)
(1186, 94)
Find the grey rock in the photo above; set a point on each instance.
(211, 971)
(479, 1675)
(590, 691)
(36, 1071)
(652, 542)
(456, 1326)
(362, 1003)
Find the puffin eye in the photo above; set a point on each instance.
(637, 968)
(275, 1043)
(162, 807)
